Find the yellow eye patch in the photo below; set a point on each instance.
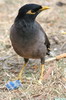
(30, 12)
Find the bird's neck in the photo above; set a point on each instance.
(28, 18)
(24, 22)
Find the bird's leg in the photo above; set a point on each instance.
(42, 70)
(42, 73)
(21, 72)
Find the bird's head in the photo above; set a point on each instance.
(30, 11)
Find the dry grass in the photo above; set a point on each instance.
(53, 22)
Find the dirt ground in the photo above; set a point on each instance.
(53, 22)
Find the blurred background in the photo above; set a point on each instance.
(53, 22)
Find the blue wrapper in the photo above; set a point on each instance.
(13, 85)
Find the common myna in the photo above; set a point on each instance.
(27, 36)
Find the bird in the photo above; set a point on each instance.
(28, 37)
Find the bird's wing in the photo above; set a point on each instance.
(47, 43)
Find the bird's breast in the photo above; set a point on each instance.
(28, 41)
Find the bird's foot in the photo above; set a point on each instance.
(17, 78)
(40, 81)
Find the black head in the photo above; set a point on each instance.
(30, 11)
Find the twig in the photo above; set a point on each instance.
(57, 57)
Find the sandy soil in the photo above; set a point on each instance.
(53, 22)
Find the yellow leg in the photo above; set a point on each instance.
(42, 72)
(21, 72)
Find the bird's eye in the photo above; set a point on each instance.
(36, 9)
(33, 11)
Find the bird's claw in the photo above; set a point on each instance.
(40, 81)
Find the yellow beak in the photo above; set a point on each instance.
(44, 8)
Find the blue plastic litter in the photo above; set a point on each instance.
(13, 85)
